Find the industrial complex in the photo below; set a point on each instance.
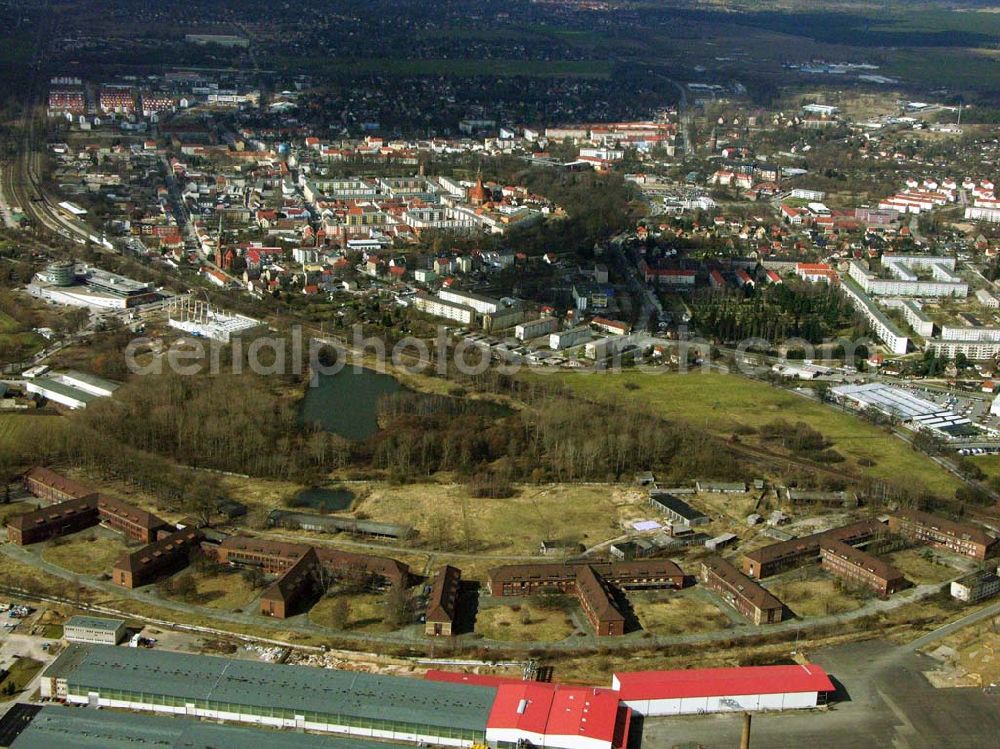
(447, 709)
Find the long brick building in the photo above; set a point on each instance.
(528, 579)
(165, 556)
(784, 555)
(858, 567)
(960, 538)
(741, 592)
(48, 485)
(78, 513)
(301, 565)
(598, 603)
(298, 584)
(592, 583)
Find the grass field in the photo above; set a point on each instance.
(17, 430)
(13, 334)
(919, 566)
(674, 614)
(722, 404)
(817, 597)
(525, 622)
(226, 590)
(85, 553)
(365, 612)
(446, 517)
(19, 675)
(988, 464)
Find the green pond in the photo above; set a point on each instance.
(325, 500)
(346, 403)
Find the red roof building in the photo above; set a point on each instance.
(550, 715)
(714, 690)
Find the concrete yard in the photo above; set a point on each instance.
(887, 704)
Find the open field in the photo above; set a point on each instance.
(19, 675)
(673, 613)
(447, 517)
(523, 622)
(820, 596)
(218, 590)
(17, 339)
(723, 404)
(87, 552)
(365, 612)
(922, 565)
(988, 464)
(17, 429)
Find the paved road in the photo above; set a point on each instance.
(947, 629)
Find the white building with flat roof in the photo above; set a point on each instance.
(94, 629)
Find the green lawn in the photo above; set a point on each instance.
(18, 676)
(86, 553)
(721, 404)
(988, 464)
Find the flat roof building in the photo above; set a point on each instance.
(56, 727)
(719, 690)
(94, 630)
(280, 696)
(976, 586)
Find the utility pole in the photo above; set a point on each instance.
(745, 738)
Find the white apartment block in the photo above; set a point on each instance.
(444, 308)
(535, 328)
(482, 304)
(975, 350)
(922, 325)
(905, 281)
(884, 328)
(963, 333)
(986, 299)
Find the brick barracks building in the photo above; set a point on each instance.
(592, 583)
(799, 551)
(77, 508)
(860, 568)
(741, 592)
(157, 559)
(300, 568)
(49, 485)
(442, 604)
(941, 533)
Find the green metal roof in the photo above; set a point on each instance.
(84, 728)
(265, 686)
(93, 622)
(60, 388)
